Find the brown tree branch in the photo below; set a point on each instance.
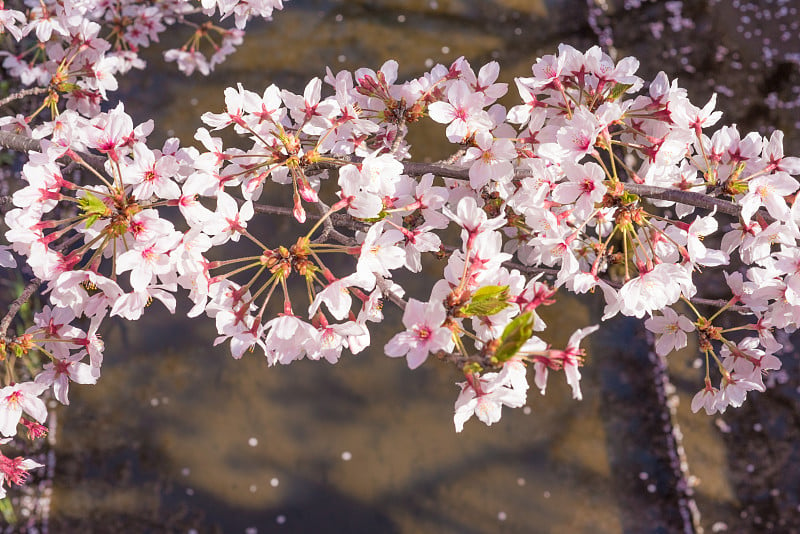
(22, 94)
(690, 198)
(24, 143)
(29, 290)
(20, 143)
(698, 200)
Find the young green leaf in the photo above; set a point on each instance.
(487, 300)
(514, 336)
(619, 89)
(93, 208)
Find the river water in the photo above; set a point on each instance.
(177, 436)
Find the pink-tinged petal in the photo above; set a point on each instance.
(416, 357)
(567, 192)
(9, 418)
(488, 411)
(750, 204)
(441, 112)
(777, 207)
(488, 73)
(540, 376)
(35, 407)
(141, 277)
(82, 373)
(312, 91)
(397, 346)
(574, 380)
(61, 389)
(465, 408)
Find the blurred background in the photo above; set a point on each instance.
(179, 437)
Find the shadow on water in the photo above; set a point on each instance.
(178, 436)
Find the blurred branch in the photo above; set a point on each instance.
(22, 94)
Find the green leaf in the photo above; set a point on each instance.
(7, 511)
(619, 89)
(514, 336)
(628, 198)
(473, 368)
(487, 300)
(93, 208)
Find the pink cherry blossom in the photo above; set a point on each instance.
(671, 330)
(463, 112)
(16, 399)
(425, 333)
(485, 396)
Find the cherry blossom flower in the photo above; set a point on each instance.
(492, 159)
(733, 391)
(769, 191)
(571, 357)
(14, 470)
(425, 333)
(58, 375)
(484, 83)
(484, 397)
(707, 398)
(152, 176)
(379, 253)
(463, 112)
(655, 289)
(229, 221)
(671, 330)
(575, 139)
(584, 186)
(313, 115)
(287, 339)
(9, 18)
(773, 155)
(336, 295)
(16, 399)
(472, 220)
(698, 252)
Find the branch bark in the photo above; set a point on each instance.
(22, 94)
(24, 143)
(29, 290)
(20, 143)
(698, 200)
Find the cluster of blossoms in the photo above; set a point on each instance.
(76, 49)
(72, 53)
(589, 180)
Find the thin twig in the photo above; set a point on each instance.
(29, 290)
(22, 94)
(327, 224)
(337, 219)
(444, 170)
(386, 289)
(457, 155)
(402, 131)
